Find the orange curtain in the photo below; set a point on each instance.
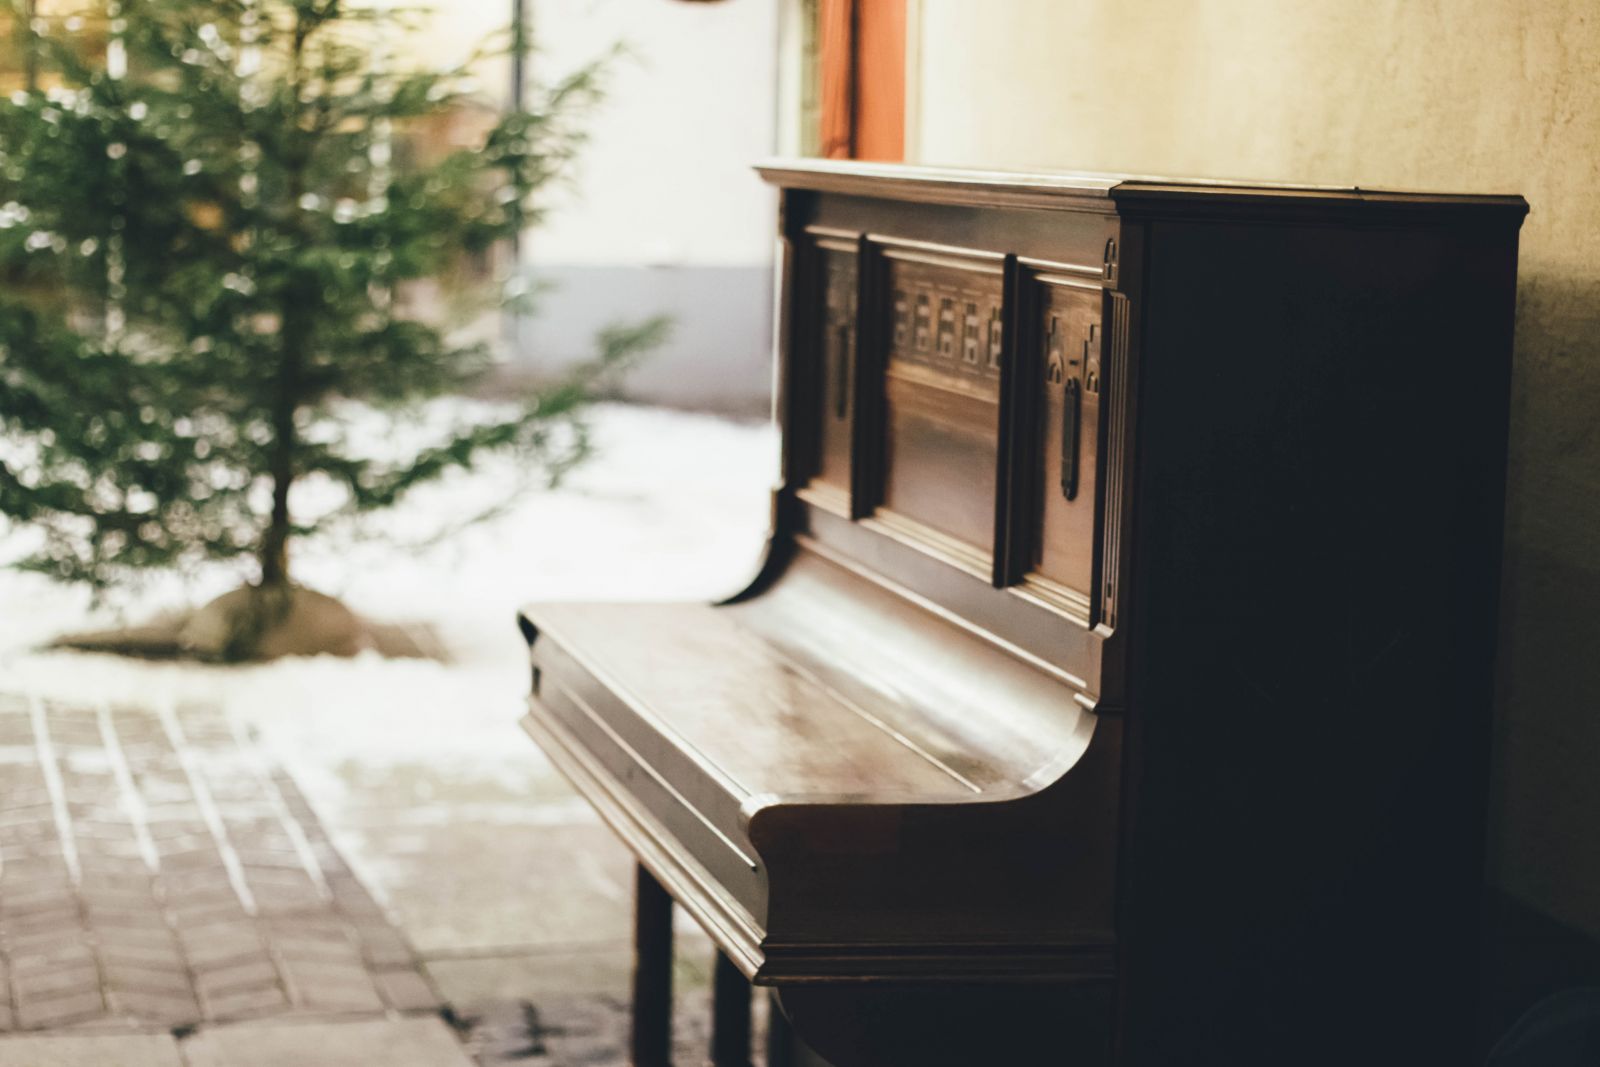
(861, 53)
(881, 80)
(836, 35)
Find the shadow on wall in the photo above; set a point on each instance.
(1546, 806)
(719, 357)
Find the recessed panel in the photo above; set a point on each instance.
(835, 367)
(1068, 381)
(942, 394)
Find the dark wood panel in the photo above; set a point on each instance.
(1008, 618)
(1072, 238)
(1066, 381)
(834, 362)
(942, 394)
(1317, 529)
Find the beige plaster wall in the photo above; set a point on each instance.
(1457, 95)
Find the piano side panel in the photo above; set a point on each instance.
(1318, 515)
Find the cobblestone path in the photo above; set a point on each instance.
(157, 871)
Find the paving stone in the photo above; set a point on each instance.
(241, 1003)
(312, 951)
(151, 1009)
(21, 822)
(28, 807)
(333, 987)
(141, 948)
(145, 919)
(206, 859)
(34, 885)
(122, 976)
(137, 938)
(108, 860)
(152, 1006)
(62, 913)
(57, 1011)
(598, 972)
(32, 956)
(258, 958)
(119, 892)
(129, 946)
(212, 910)
(277, 902)
(406, 990)
(385, 948)
(56, 982)
(247, 972)
(418, 1042)
(159, 1050)
(353, 995)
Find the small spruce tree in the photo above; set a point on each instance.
(218, 222)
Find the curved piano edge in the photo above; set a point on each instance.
(724, 920)
(798, 941)
(1088, 959)
(759, 806)
(776, 551)
(1011, 889)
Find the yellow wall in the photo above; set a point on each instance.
(1455, 95)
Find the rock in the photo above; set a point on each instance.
(250, 623)
(255, 623)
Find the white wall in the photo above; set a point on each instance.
(662, 213)
(666, 177)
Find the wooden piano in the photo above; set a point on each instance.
(1117, 685)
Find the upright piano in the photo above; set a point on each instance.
(1116, 688)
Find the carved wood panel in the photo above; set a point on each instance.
(835, 366)
(1069, 386)
(942, 393)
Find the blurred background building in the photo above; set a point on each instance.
(663, 214)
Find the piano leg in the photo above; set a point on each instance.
(652, 974)
(730, 1015)
(780, 1036)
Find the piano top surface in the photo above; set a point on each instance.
(999, 188)
(826, 687)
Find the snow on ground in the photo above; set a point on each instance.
(671, 506)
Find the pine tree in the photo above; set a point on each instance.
(219, 225)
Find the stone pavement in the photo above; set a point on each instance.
(157, 872)
(169, 899)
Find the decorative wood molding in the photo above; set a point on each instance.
(1133, 196)
(1115, 446)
